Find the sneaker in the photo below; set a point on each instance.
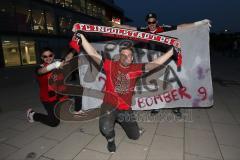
(79, 112)
(177, 112)
(30, 114)
(111, 146)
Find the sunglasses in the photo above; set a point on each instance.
(153, 22)
(49, 56)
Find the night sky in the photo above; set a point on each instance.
(224, 14)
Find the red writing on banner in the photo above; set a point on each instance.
(167, 97)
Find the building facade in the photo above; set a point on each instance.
(26, 26)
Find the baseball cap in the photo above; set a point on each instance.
(150, 15)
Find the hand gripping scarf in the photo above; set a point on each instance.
(133, 35)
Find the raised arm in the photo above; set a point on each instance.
(159, 61)
(91, 51)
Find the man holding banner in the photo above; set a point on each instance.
(153, 27)
(121, 78)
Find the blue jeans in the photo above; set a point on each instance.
(110, 115)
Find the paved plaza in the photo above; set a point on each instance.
(202, 134)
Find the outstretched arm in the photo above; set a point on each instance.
(91, 51)
(159, 61)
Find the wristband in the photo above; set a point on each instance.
(53, 66)
(76, 42)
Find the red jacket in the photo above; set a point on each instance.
(47, 93)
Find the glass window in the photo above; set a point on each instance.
(89, 8)
(7, 18)
(11, 52)
(15, 54)
(76, 5)
(28, 52)
(65, 3)
(24, 19)
(65, 24)
(50, 1)
(83, 6)
(60, 2)
(94, 9)
(99, 12)
(68, 3)
(50, 22)
(38, 21)
(103, 12)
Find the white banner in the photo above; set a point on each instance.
(165, 87)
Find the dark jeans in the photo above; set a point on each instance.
(51, 119)
(110, 115)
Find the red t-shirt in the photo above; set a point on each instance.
(46, 94)
(46, 91)
(120, 83)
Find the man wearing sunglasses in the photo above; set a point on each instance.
(154, 27)
(48, 96)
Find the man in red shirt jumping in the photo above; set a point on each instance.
(121, 78)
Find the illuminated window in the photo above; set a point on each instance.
(99, 11)
(24, 18)
(83, 6)
(50, 22)
(94, 9)
(38, 21)
(65, 24)
(89, 8)
(11, 52)
(103, 12)
(65, 3)
(7, 19)
(68, 3)
(28, 52)
(18, 53)
(60, 2)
